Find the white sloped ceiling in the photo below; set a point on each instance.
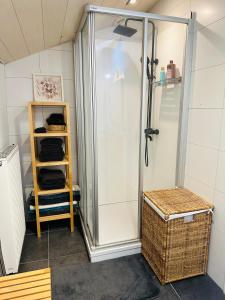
(29, 26)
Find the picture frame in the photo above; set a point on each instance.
(48, 87)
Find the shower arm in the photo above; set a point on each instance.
(153, 61)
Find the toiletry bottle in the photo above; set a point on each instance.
(162, 76)
(171, 70)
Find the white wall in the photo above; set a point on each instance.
(161, 172)
(19, 90)
(3, 110)
(205, 167)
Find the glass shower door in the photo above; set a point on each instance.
(118, 109)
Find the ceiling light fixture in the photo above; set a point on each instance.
(131, 2)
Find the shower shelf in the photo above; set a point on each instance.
(168, 82)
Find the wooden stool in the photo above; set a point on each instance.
(27, 286)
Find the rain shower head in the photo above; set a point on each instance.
(125, 30)
(129, 31)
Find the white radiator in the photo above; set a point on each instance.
(12, 219)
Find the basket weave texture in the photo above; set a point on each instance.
(56, 127)
(177, 201)
(176, 249)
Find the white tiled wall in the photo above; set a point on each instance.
(19, 91)
(205, 167)
(3, 110)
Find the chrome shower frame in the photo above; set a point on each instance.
(90, 10)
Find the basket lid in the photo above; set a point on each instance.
(177, 201)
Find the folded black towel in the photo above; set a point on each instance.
(51, 150)
(53, 199)
(52, 186)
(40, 130)
(51, 179)
(51, 174)
(51, 142)
(56, 119)
(52, 156)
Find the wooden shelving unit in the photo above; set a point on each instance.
(52, 163)
(51, 134)
(37, 164)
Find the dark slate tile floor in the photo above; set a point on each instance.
(66, 254)
(198, 288)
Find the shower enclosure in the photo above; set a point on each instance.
(117, 91)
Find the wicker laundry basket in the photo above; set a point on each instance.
(175, 233)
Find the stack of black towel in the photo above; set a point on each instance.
(50, 179)
(51, 150)
(56, 119)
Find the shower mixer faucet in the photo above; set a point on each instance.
(150, 131)
(155, 61)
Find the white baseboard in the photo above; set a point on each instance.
(115, 251)
(97, 254)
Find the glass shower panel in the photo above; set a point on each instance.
(166, 108)
(81, 157)
(118, 104)
(88, 126)
(80, 126)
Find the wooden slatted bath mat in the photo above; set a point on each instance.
(33, 285)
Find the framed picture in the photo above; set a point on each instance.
(48, 87)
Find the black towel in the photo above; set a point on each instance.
(56, 119)
(40, 130)
(51, 142)
(52, 186)
(44, 157)
(54, 199)
(49, 175)
(51, 150)
(51, 179)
